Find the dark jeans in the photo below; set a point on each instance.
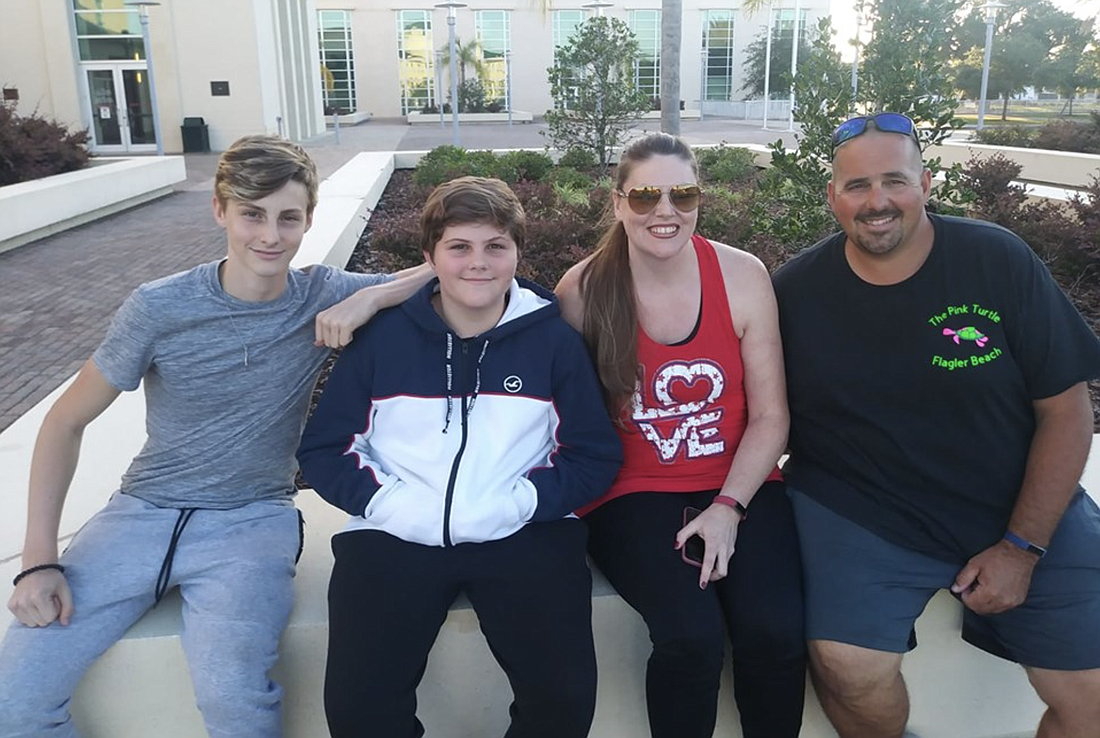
(532, 593)
(759, 604)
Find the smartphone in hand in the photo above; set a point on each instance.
(694, 548)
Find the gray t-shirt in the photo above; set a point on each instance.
(221, 433)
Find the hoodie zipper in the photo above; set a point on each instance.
(449, 499)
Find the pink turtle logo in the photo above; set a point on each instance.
(969, 333)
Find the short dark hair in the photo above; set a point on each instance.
(472, 200)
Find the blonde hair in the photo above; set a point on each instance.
(610, 321)
(256, 166)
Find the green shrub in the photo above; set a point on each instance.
(445, 163)
(579, 159)
(514, 166)
(570, 178)
(728, 164)
(471, 97)
(1020, 136)
(32, 147)
(1058, 135)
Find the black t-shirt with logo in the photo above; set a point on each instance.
(911, 404)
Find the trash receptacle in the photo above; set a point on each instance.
(196, 136)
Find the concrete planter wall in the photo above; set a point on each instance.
(32, 210)
(1042, 166)
(427, 119)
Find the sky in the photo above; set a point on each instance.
(844, 18)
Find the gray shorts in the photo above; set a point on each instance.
(863, 590)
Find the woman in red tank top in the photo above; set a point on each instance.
(685, 337)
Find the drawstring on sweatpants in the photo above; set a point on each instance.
(166, 566)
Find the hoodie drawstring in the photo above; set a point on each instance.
(450, 380)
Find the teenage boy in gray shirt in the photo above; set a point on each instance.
(228, 352)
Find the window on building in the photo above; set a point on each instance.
(565, 24)
(337, 60)
(646, 25)
(107, 30)
(493, 45)
(784, 20)
(718, 48)
(416, 60)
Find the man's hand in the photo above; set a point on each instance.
(995, 580)
(334, 327)
(41, 598)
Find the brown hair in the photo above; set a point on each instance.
(471, 200)
(256, 166)
(610, 323)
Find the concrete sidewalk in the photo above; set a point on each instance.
(57, 295)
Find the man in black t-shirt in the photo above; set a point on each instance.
(940, 423)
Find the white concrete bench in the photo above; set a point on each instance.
(141, 687)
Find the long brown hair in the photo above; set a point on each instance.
(610, 324)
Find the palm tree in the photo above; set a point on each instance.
(466, 55)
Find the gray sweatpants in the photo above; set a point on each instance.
(234, 570)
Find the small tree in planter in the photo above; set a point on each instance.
(592, 83)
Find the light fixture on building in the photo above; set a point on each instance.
(143, 7)
(989, 11)
(451, 6)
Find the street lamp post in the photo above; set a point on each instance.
(143, 7)
(702, 80)
(794, 60)
(508, 83)
(768, 67)
(451, 5)
(990, 10)
(439, 86)
(598, 6)
(855, 56)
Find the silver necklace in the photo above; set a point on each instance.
(233, 323)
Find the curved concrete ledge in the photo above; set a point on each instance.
(32, 210)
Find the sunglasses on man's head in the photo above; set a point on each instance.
(889, 122)
(642, 200)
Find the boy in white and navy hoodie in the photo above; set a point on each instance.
(460, 430)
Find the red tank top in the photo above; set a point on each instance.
(688, 411)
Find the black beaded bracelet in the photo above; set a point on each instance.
(41, 567)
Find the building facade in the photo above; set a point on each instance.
(247, 66)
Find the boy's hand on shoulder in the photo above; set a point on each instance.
(41, 598)
(335, 326)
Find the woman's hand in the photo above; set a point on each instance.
(717, 526)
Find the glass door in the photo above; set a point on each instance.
(121, 108)
(106, 112)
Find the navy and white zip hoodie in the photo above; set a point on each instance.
(440, 440)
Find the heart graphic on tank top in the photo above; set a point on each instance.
(684, 414)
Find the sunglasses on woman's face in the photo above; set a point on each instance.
(642, 200)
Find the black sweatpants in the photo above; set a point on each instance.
(532, 593)
(759, 604)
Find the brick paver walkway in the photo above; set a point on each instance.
(57, 295)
